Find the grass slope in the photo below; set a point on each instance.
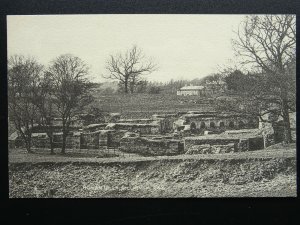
(145, 105)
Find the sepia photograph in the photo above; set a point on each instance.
(151, 105)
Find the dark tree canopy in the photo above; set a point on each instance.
(241, 83)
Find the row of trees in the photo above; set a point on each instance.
(37, 94)
(150, 87)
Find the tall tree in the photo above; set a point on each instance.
(71, 89)
(23, 77)
(43, 100)
(268, 43)
(127, 68)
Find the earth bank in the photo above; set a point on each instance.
(168, 178)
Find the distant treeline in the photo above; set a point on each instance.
(152, 87)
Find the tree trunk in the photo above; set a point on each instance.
(132, 85)
(63, 149)
(286, 122)
(131, 89)
(28, 145)
(126, 86)
(51, 144)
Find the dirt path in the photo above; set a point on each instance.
(22, 157)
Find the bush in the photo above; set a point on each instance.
(154, 90)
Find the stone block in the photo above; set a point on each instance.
(229, 148)
(199, 149)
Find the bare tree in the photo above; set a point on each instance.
(43, 100)
(23, 77)
(71, 89)
(269, 44)
(128, 68)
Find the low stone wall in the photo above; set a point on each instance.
(143, 129)
(146, 146)
(211, 149)
(40, 142)
(139, 121)
(73, 142)
(243, 145)
(89, 140)
(115, 138)
(213, 122)
(103, 136)
(190, 143)
(109, 138)
(269, 140)
(223, 144)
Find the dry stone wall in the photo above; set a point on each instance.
(73, 142)
(189, 143)
(144, 146)
(37, 142)
(211, 149)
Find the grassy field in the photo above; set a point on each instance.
(145, 105)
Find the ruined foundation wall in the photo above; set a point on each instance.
(211, 149)
(149, 147)
(73, 142)
(139, 128)
(190, 143)
(40, 142)
(203, 146)
(89, 140)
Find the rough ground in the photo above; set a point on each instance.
(232, 176)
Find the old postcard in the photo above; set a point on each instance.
(152, 106)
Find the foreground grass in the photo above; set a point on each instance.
(184, 178)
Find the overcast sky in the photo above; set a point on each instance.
(183, 46)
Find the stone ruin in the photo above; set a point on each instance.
(215, 144)
(198, 122)
(190, 132)
(210, 149)
(147, 146)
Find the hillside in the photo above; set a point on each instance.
(145, 105)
